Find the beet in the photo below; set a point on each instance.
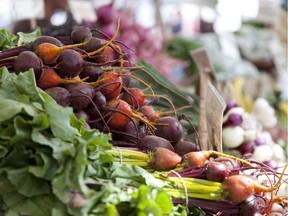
(82, 114)
(249, 207)
(183, 147)
(81, 95)
(216, 171)
(61, 95)
(69, 63)
(46, 39)
(97, 105)
(169, 128)
(26, 60)
(132, 132)
(93, 44)
(80, 34)
(150, 142)
(163, 159)
(91, 72)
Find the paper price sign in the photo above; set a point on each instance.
(214, 106)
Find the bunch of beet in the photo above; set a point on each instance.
(90, 74)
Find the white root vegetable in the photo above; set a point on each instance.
(262, 153)
(233, 136)
(264, 113)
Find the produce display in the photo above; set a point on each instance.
(141, 42)
(82, 134)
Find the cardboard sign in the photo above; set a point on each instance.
(215, 106)
(206, 73)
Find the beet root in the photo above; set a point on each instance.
(163, 159)
(150, 142)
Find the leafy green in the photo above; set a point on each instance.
(27, 38)
(9, 40)
(51, 165)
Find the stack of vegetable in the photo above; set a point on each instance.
(244, 133)
(142, 42)
(80, 127)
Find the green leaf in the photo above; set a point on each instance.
(164, 202)
(17, 157)
(7, 86)
(60, 148)
(25, 84)
(71, 177)
(7, 39)
(7, 132)
(145, 205)
(3, 151)
(27, 38)
(49, 167)
(26, 183)
(14, 108)
(59, 119)
(5, 185)
(22, 130)
(133, 175)
(34, 206)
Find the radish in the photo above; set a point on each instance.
(48, 52)
(81, 95)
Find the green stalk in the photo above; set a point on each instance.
(176, 193)
(127, 153)
(198, 188)
(197, 181)
(138, 163)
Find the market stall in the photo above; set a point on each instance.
(110, 116)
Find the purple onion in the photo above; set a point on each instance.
(234, 119)
(229, 106)
(109, 29)
(259, 141)
(271, 163)
(106, 14)
(246, 147)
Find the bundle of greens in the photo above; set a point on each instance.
(51, 165)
